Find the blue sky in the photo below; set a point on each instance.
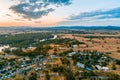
(59, 12)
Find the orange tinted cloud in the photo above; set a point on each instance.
(28, 23)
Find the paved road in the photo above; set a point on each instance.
(70, 71)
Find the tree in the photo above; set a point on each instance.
(114, 67)
(47, 76)
(7, 50)
(19, 77)
(118, 62)
(33, 76)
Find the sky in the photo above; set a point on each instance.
(41, 13)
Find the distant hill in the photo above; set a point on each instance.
(90, 27)
(62, 27)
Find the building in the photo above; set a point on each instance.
(71, 54)
(101, 68)
(80, 65)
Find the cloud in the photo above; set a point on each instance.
(19, 20)
(9, 15)
(98, 17)
(37, 21)
(34, 9)
(99, 14)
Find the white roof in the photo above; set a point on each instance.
(80, 65)
(4, 47)
(72, 53)
(101, 68)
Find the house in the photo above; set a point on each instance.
(80, 65)
(62, 48)
(53, 56)
(88, 68)
(31, 48)
(73, 46)
(39, 68)
(101, 68)
(13, 48)
(98, 67)
(4, 47)
(105, 68)
(71, 54)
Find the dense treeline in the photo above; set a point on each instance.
(102, 36)
(23, 40)
(63, 41)
(40, 50)
(43, 47)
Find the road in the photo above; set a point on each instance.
(70, 71)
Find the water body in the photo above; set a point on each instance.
(55, 36)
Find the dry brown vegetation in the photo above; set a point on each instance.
(58, 49)
(100, 44)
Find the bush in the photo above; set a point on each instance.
(118, 51)
(118, 62)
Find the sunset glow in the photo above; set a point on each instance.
(53, 13)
